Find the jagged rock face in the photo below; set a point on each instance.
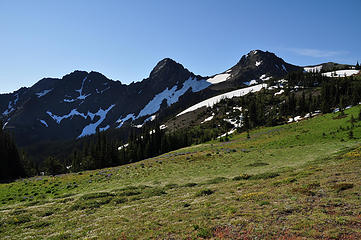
(81, 102)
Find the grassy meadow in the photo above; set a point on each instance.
(296, 181)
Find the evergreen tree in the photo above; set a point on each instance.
(10, 162)
(52, 166)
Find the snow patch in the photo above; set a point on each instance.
(308, 115)
(91, 128)
(72, 113)
(252, 82)
(284, 68)
(236, 93)
(235, 123)
(172, 95)
(11, 104)
(341, 73)
(258, 63)
(104, 128)
(313, 69)
(227, 133)
(121, 121)
(43, 93)
(80, 91)
(123, 146)
(69, 100)
(280, 92)
(207, 119)
(43, 122)
(101, 91)
(219, 78)
(264, 77)
(151, 118)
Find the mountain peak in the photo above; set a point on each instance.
(165, 65)
(254, 52)
(256, 57)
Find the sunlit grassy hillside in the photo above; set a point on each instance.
(301, 180)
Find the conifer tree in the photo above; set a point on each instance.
(10, 163)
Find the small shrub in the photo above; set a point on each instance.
(190, 184)
(46, 213)
(18, 212)
(20, 219)
(154, 192)
(313, 185)
(216, 180)
(39, 225)
(342, 186)
(186, 205)
(263, 203)
(285, 181)
(91, 204)
(264, 176)
(96, 195)
(304, 191)
(120, 200)
(32, 203)
(171, 186)
(129, 193)
(65, 195)
(204, 233)
(242, 177)
(253, 196)
(204, 192)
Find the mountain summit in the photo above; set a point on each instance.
(259, 66)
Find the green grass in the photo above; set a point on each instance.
(295, 181)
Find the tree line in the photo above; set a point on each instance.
(303, 93)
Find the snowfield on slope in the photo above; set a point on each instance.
(91, 128)
(218, 78)
(236, 93)
(172, 95)
(313, 69)
(43, 93)
(121, 121)
(341, 73)
(80, 91)
(11, 106)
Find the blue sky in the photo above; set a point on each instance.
(125, 39)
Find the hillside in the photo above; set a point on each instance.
(296, 181)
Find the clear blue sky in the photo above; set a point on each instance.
(125, 39)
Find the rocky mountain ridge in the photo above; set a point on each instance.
(82, 102)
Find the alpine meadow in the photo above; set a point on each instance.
(247, 124)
